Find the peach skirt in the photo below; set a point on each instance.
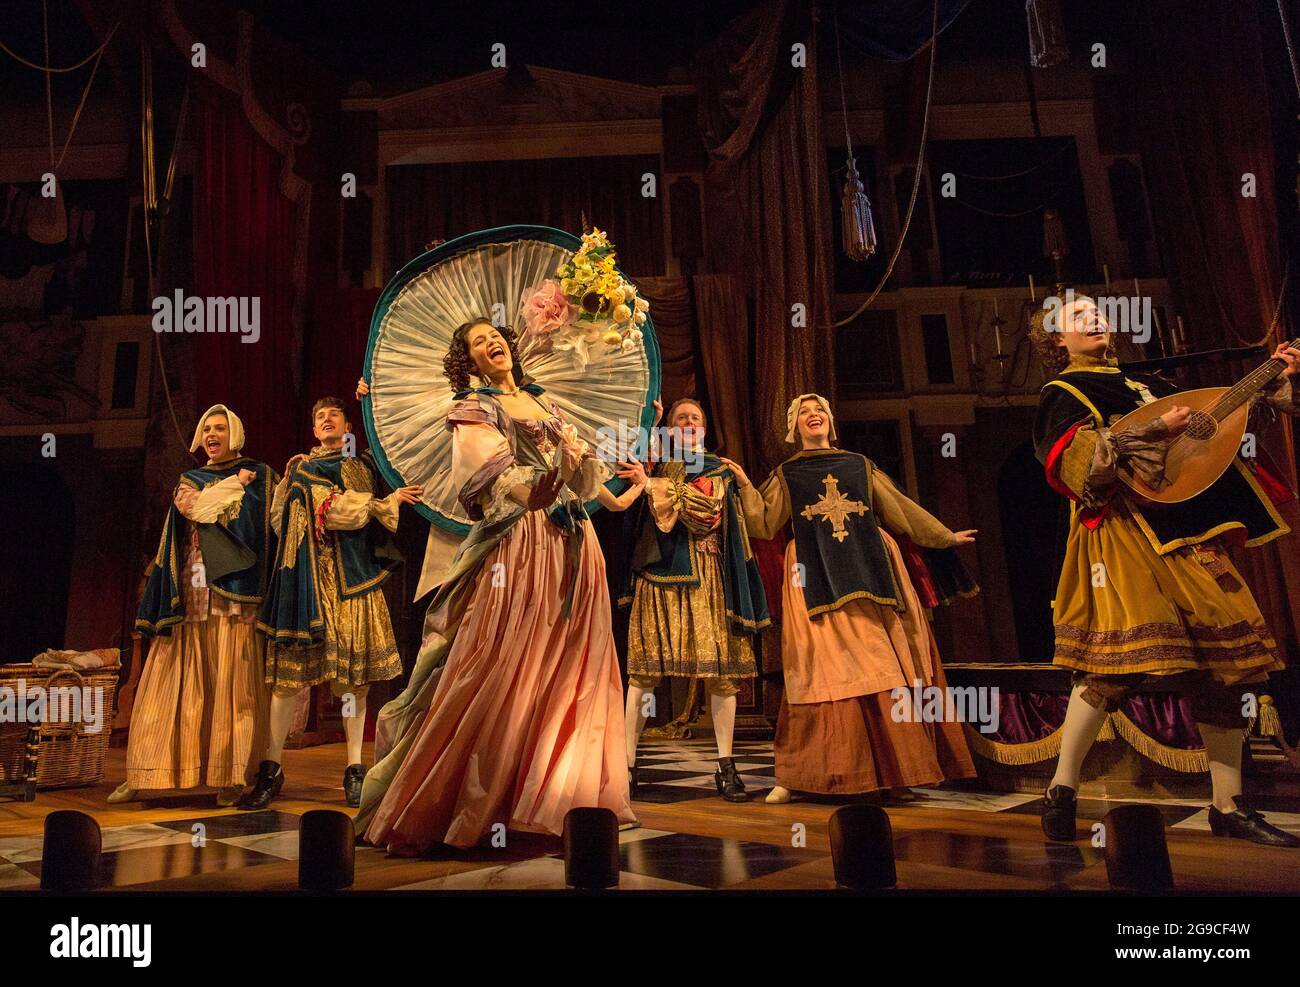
(527, 719)
(839, 736)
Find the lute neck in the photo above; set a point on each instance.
(1250, 385)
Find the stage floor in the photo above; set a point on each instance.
(688, 840)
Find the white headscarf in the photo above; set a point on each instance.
(792, 415)
(236, 428)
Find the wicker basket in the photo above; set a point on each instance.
(68, 754)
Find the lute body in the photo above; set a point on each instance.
(1201, 454)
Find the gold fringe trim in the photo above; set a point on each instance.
(1174, 758)
(1001, 753)
(1116, 726)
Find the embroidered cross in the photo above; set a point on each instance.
(834, 507)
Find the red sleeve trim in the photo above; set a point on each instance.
(1092, 518)
(1052, 468)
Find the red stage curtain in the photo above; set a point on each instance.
(244, 241)
(1198, 140)
(339, 323)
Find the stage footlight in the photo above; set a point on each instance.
(326, 851)
(591, 858)
(70, 856)
(862, 848)
(1137, 858)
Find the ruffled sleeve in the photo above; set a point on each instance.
(483, 467)
(1081, 456)
(214, 504)
(353, 509)
(591, 473)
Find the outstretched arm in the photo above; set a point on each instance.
(902, 515)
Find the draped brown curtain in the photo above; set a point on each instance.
(767, 204)
(722, 314)
(443, 201)
(674, 319)
(1201, 133)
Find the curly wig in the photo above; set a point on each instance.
(1046, 340)
(459, 366)
(1045, 333)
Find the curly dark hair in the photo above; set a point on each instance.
(1045, 334)
(459, 366)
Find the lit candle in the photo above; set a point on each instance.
(1137, 288)
(1181, 341)
(1032, 298)
(995, 306)
(997, 332)
(1105, 268)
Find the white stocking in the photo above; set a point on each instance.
(282, 709)
(1223, 749)
(354, 728)
(723, 709)
(1082, 724)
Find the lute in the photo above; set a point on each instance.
(1203, 452)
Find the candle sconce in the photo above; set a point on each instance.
(991, 374)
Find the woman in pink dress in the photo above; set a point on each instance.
(514, 711)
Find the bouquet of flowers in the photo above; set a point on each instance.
(591, 304)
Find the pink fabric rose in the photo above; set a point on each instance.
(546, 309)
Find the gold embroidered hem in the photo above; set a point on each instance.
(682, 631)
(1121, 608)
(359, 645)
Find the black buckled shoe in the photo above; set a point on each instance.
(1059, 807)
(730, 787)
(353, 776)
(266, 786)
(1247, 824)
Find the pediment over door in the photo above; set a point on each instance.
(499, 97)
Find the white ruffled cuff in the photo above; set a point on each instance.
(499, 504)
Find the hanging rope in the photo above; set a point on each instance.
(1017, 174)
(76, 117)
(49, 99)
(916, 183)
(47, 70)
(149, 199)
(839, 67)
(68, 68)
